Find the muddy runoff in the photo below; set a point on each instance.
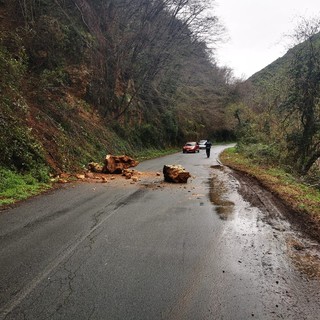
(218, 192)
(259, 240)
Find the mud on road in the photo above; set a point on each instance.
(283, 263)
(301, 239)
(253, 191)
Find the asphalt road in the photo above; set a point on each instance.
(150, 250)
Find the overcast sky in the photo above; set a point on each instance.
(256, 30)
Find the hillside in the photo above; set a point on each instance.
(84, 78)
(278, 110)
(278, 67)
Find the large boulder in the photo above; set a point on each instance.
(175, 173)
(116, 164)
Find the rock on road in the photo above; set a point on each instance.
(152, 250)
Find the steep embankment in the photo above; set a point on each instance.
(83, 78)
(44, 117)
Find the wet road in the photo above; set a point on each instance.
(153, 250)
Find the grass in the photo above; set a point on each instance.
(294, 193)
(15, 187)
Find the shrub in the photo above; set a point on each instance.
(53, 79)
(264, 154)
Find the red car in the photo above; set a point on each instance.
(190, 147)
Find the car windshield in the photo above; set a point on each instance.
(191, 143)
(202, 141)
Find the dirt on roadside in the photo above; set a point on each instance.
(296, 234)
(253, 192)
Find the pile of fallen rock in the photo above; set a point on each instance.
(121, 165)
(116, 165)
(113, 164)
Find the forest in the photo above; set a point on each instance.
(82, 78)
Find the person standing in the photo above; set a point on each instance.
(208, 148)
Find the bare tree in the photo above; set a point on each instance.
(303, 102)
(145, 37)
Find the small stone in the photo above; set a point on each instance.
(89, 175)
(94, 167)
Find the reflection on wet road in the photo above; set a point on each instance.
(218, 193)
(262, 249)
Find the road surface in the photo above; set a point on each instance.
(154, 250)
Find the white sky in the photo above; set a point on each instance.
(256, 30)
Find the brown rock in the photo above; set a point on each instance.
(175, 173)
(94, 167)
(116, 164)
(62, 180)
(89, 175)
(64, 175)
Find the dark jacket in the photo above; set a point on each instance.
(208, 145)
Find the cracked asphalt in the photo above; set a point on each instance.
(154, 250)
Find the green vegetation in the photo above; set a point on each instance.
(277, 113)
(154, 153)
(15, 186)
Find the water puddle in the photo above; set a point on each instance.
(218, 193)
